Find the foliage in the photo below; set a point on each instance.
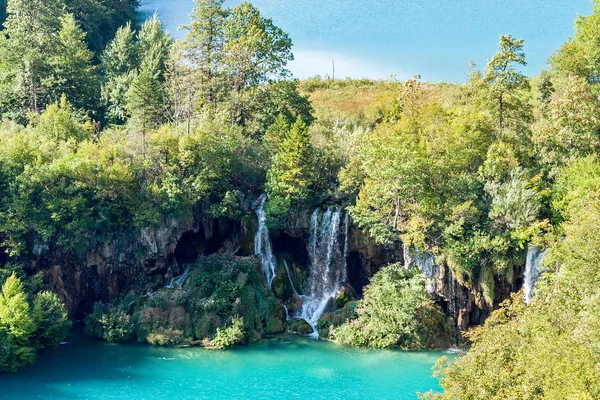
(230, 336)
(396, 311)
(27, 326)
(110, 322)
(547, 349)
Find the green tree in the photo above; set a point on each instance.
(15, 313)
(574, 124)
(30, 33)
(145, 98)
(580, 55)
(72, 71)
(119, 62)
(289, 179)
(397, 311)
(505, 82)
(255, 51)
(203, 47)
(51, 320)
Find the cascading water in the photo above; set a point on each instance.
(287, 269)
(346, 246)
(327, 266)
(532, 270)
(262, 242)
(178, 280)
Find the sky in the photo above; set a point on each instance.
(433, 38)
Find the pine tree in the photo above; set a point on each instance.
(119, 62)
(73, 72)
(203, 47)
(290, 177)
(145, 98)
(505, 81)
(15, 313)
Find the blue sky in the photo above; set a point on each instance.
(433, 38)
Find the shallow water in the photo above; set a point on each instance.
(285, 367)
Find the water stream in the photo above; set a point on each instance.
(533, 270)
(262, 242)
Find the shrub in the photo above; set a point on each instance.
(229, 336)
(110, 323)
(396, 311)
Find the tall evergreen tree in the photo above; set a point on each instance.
(145, 98)
(119, 61)
(505, 81)
(72, 71)
(203, 48)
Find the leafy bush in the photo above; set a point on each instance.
(111, 323)
(396, 311)
(230, 336)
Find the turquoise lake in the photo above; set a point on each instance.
(434, 38)
(285, 367)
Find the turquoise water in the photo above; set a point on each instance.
(434, 38)
(279, 368)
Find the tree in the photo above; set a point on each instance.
(505, 81)
(289, 179)
(15, 313)
(397, 311)
(145, 97)
(154, 42)
(580, 55)
(574, 124)
(101, 18)
(203, 48)
(60, 123)
(73, 73)
(25, 329)
(119, 62)
(255, 50)
(30, 41)
(51, 319)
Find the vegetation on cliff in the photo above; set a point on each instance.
(397, 311)
(109, 127)
(222, 302)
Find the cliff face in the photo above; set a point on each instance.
(459, 301)
(110, 268)
(146, 258)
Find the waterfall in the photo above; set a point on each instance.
(532, 270)
(346, 231)
(178, 280)
(262, 242)
(327, 266)
(287, 270)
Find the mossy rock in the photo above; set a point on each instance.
(207, 326)
(249, 225)
(301, 326)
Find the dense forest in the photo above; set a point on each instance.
(110, 127)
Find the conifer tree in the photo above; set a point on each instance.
(73, 72)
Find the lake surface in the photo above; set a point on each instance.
(286, 367)
(434, 38)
